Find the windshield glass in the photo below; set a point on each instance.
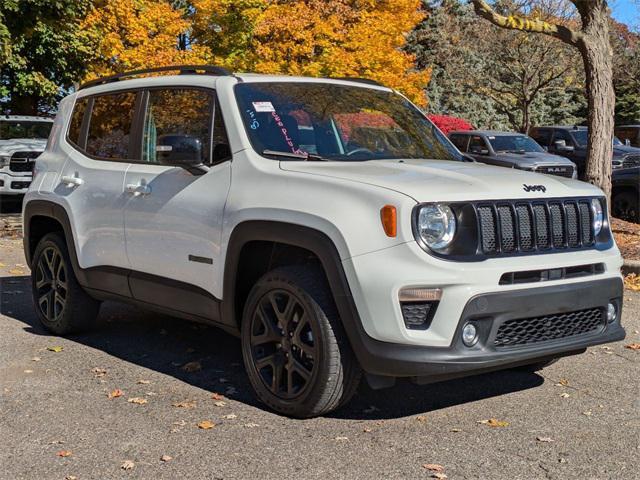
(15, 129)
(581, 137)
(514, 143)
(338, 122)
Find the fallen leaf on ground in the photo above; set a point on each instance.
(166, 458)
(99, 372)
(185, 404)
(544, 439)
(206, 424)
(565, 395)
(587, 413)
(28, 371)
(366, 430)
(439, 476)
(138, 400)
(220, 404)
(632, 282)
(55, 349)
(494, 422)
(192, 367)
(433, 467)
(127, 465)
(633, 346)
(217, 396)
(341, 439)
(421, 418)
(64, 453)
(251, 425)
(143, 382)
(70, 477)
(455, 430)
(35, 359)
(56, 442)
(231, 416)
(116, 393)
(563, 382)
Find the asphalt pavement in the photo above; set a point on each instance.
(579, 418)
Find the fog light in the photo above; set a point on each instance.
(469, 335)
(612, 313)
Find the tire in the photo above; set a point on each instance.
(536, 367)
(626, 206)
(294, 347)
(61, 304)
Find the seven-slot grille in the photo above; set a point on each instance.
(631, 161)
(23, 161)
(562, 171)
(525, 331)
(530, 227)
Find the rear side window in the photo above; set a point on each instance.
(543, 137)
(110, 126)
(77, 116)
(177, 126)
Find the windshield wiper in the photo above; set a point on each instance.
(305, 157)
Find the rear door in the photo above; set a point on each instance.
(91, 184)
(173, 218)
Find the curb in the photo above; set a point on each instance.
(631, 266)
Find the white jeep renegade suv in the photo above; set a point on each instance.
(326, 222)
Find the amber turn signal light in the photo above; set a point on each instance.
(389, 218)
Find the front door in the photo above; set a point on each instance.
(173, 218)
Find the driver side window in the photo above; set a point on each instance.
(177, 127)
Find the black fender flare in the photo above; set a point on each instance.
(304, 237)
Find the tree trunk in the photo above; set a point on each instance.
(598, 62)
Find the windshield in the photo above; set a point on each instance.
(581, 137)
(337, 122)
(514, 143)
(14, 129)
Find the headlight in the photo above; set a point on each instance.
(436, 225)
(4, 161)
(598, 215)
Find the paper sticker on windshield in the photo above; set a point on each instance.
(263, 107)
(492, 138)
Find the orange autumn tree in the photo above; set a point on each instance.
(341, 38)
(134, 34)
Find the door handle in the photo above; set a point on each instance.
(71, 181)
(138, 189)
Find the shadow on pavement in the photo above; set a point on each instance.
(165, 344)
(10, 204)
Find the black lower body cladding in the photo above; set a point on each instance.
(560, 320)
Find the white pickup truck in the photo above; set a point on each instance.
(22, 139)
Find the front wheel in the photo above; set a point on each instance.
(61, 304)
(295, 350)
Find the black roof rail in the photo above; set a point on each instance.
(368, 81)
(183, 69)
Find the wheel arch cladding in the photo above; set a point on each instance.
(264, 238)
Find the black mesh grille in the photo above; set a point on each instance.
(507, 229)
(525, 226)
(418, 315)
(488, 227)
(631, 161)
(535, 226)
(549, 327)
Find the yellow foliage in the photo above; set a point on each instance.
(138, 34)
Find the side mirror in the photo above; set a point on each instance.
(561, 146)
(182, 151)
(627, 142)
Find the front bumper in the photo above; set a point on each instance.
(14, 185)
(490, 311)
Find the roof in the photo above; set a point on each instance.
(24, 118)
(488, 133)
(563, 127)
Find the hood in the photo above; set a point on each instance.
(622, 150)
(438, 180)
(7, 147)
(531, 159)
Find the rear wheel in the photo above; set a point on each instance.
(61, 304)
(296, 353)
